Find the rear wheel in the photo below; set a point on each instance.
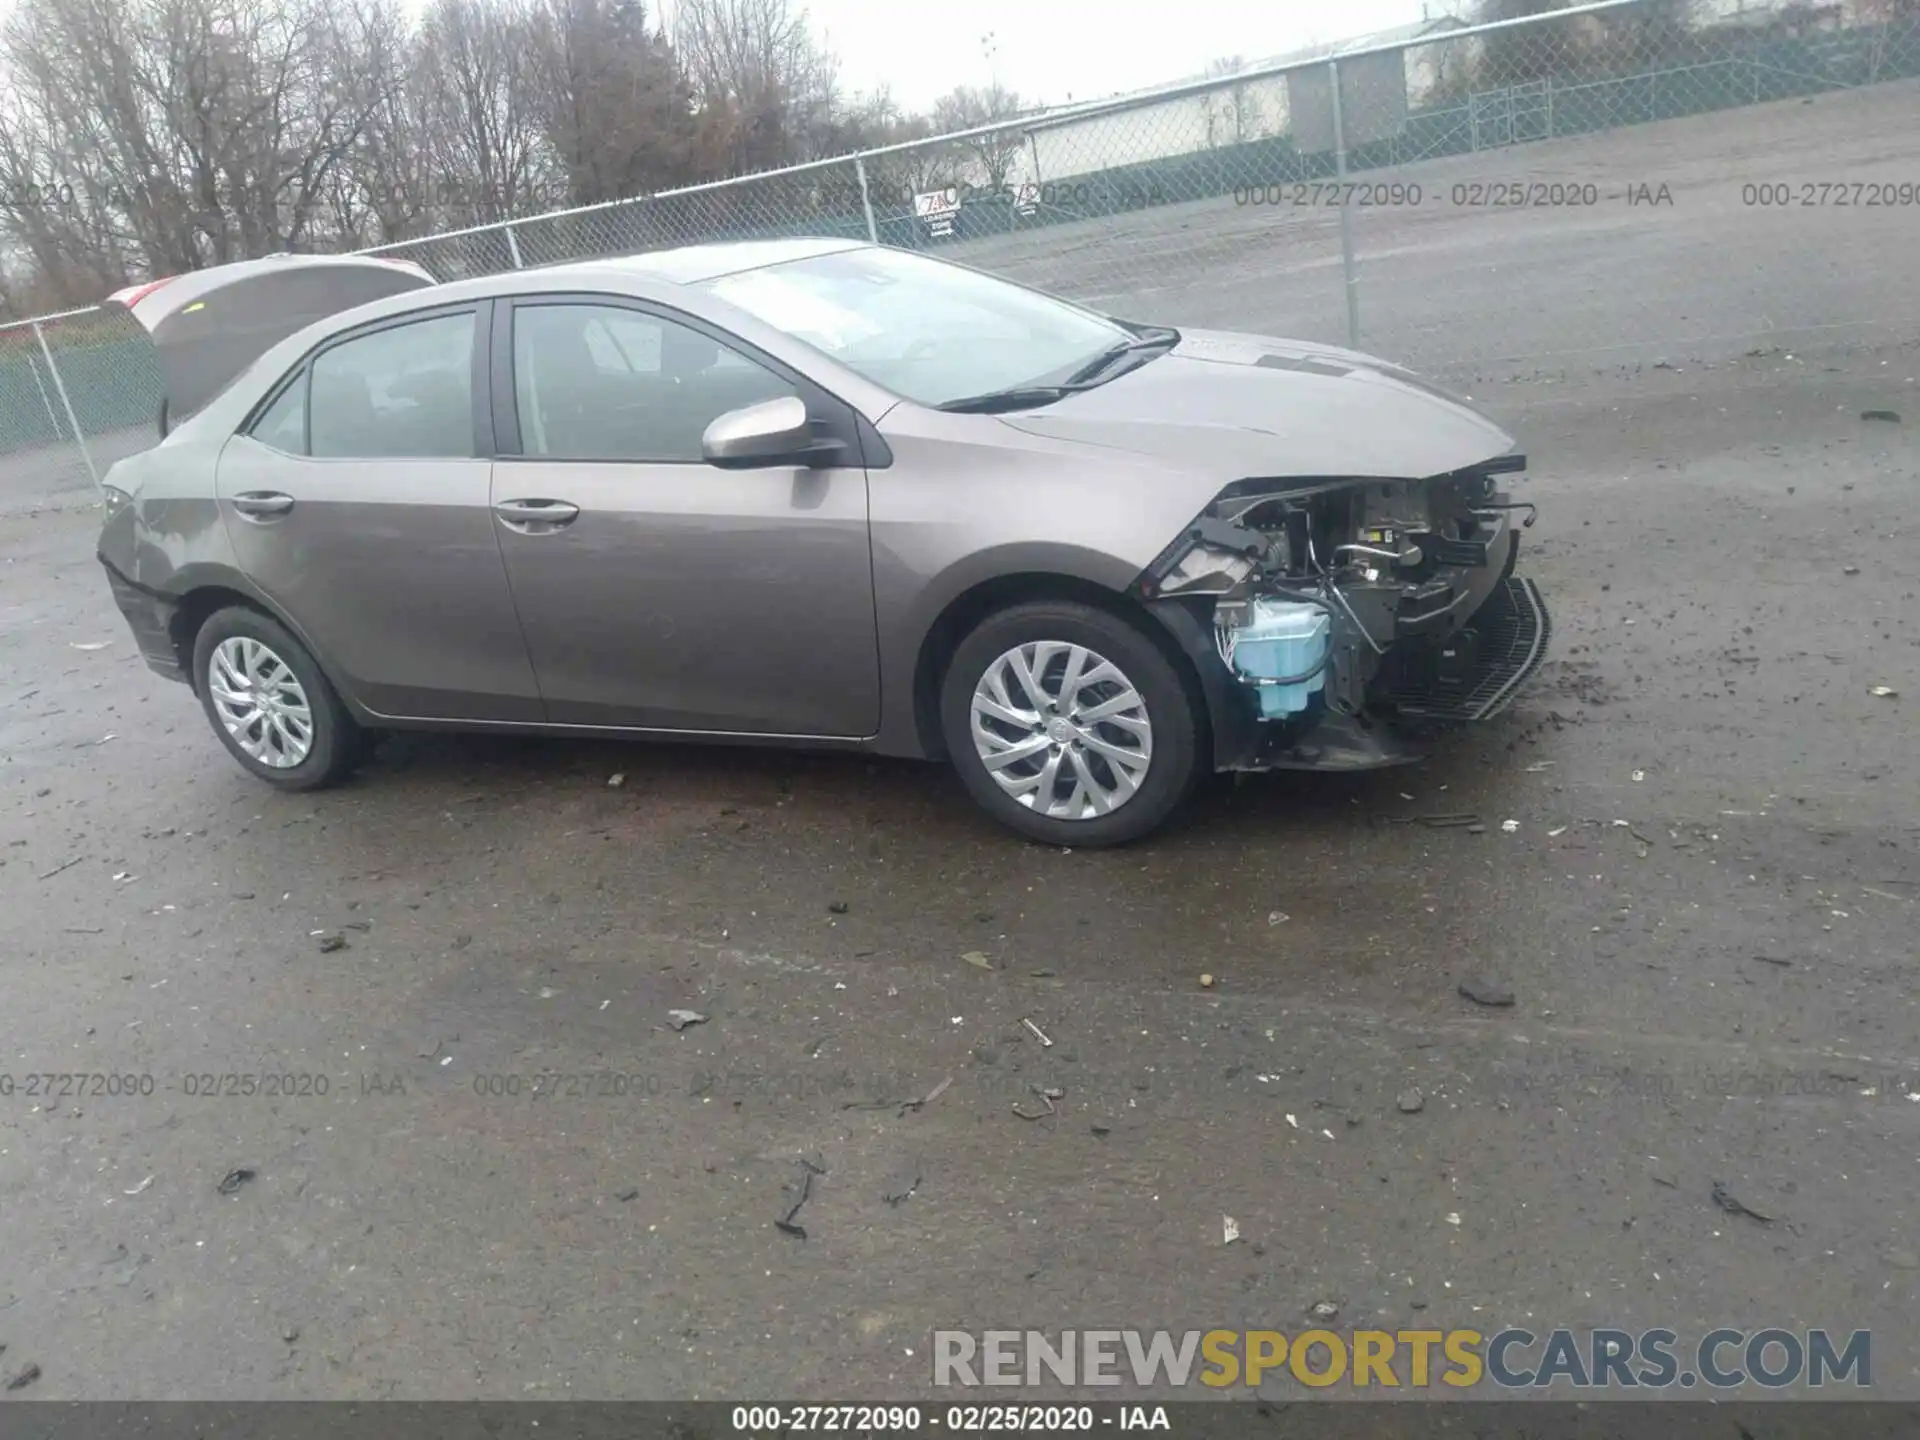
(272, 708)
(1069, 725)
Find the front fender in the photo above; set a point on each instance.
(911, 607)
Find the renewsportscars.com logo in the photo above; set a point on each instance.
(1404, 1359)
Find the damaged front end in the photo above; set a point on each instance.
(1345, 622)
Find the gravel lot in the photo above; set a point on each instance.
(1706, 916)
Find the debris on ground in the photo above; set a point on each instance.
(1510, 826)
(89, 644)
(837, 907)
(978, 960)
(1447, 822)
(331, 942)
(1206, 982)
(1887, 417)
(1412, 1102)
(927, 1099)
(1483, 991)
(1048, 1094)
(1734, 1205)
(627, 1197)
(616, 780)
(1101, 1131)
(903, 1184)
(1662, 1176)
(290, 1334)
(141, 1187)
(23, 1378)
(681, 1019)
(1883, 692)
(1038, 1034)
(231, 1182)
(1278, 917)
(1324, 1310)
(1230, 1229)
(787, 1224)
(63, 866)
(1779, 960)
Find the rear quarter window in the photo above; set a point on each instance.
(284, 423)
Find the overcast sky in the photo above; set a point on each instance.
(1050, 51)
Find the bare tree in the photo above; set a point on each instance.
(765, 87)
(174, 133)
(483, 123)
(616, 108)
(966, 108)
(893, 179)
(385, 190)
(1527, 52)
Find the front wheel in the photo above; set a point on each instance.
(270, 704)
(1069, 724)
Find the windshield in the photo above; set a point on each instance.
(921, 328)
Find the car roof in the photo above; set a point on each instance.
(688, 265)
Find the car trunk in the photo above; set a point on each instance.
(209, 325)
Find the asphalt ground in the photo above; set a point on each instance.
(492, 1168)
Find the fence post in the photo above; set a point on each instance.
(60, 388)
(45, 399)
(1346, 213)
(866, 200)
(513, 247)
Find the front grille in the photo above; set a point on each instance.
(1513, 628)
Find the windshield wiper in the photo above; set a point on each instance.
(1154, 339)
(1030, 397)
(1021, 397)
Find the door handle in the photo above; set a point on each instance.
(262, 504)
(536, 517)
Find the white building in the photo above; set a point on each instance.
(1231, 112)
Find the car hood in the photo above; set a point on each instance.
(1263, 407)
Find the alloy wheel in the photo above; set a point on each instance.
(261, 702)
(1062, 730)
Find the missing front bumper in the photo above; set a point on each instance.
(1508, 638)
(1413, 701)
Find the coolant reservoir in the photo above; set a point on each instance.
(1282, 648)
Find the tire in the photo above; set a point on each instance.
(335, 742)
(1046, 634)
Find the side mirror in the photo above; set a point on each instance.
(775, 432)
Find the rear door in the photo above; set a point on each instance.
(656, 591)
(358, 501)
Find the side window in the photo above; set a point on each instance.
(401, 393)
(284, 426)
(599, 382)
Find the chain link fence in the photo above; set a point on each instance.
(1601, 186)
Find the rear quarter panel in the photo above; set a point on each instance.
(171, 539)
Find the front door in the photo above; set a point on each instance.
(359, 504)
(657, 591)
